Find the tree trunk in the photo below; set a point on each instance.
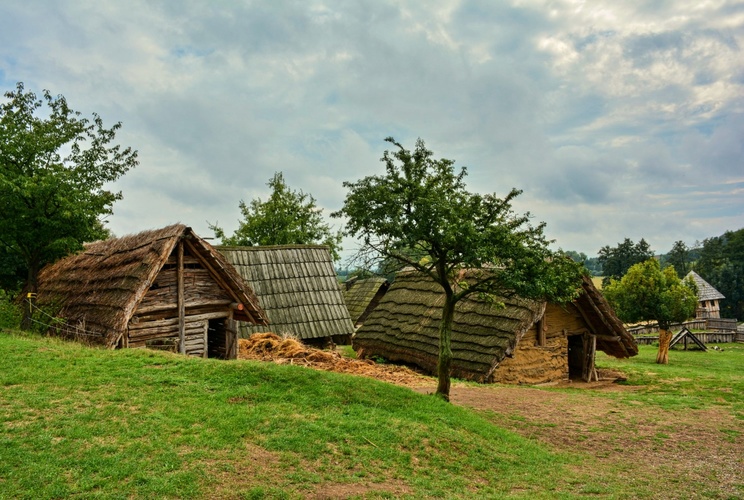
(30, 299)
(665, 338)
(445, 351)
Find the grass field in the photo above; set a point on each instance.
(76, 421)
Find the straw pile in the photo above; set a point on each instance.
(272, 347)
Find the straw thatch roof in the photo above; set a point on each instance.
(363, 295)
(405, 327)
(298, 289)
(101, 286)
(705, 289)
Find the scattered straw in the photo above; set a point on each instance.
(272, 347)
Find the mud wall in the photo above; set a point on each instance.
(539, 364)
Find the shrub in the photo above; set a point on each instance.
(10, 313)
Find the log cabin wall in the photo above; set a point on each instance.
(207, 312)
(533, 363)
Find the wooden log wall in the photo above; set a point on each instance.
(199, 290)
(196, 333)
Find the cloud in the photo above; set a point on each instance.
(591, 108)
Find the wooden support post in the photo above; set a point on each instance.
(231, 338)
(541, 326)
(205, 353)
(180, 300)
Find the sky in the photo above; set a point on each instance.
(616, 119)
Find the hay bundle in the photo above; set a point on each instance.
(271, 347)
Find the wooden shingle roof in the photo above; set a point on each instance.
(100, 287)
(705, 289)
(362, 296)
(296, 286)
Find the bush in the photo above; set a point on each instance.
(10, 313)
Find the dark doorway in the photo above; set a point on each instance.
(217, 338)
(576, 356)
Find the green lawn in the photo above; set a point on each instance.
(693, 379)
(78, 421)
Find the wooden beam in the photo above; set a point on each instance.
(541, 327)
(180, 300)
(217, 275)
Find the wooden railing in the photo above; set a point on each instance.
(710, 325)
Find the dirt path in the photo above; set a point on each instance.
(679, 454)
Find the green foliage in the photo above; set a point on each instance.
(679, 258)
(721, 264)
(53, 170)
(10, 313)
(647, 292)
(421, 215)
(616, 261)
(287, 218)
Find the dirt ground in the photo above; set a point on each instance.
(677, 454)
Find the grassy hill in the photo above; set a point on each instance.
(86, 422)
(89, 422)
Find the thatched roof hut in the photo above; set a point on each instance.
(363, 295)
(149, 287)
(708, 298)
(298, 289)
(523, 342)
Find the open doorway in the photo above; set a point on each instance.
(217, 338)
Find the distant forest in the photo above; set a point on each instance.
(719, 260)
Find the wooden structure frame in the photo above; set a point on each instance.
(708, 306)
(165, 288)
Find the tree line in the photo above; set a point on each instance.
(719, 260)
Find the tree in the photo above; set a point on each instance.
(679, 258)
(287, 218)
(53, 170)
(616, 261)
(721, 263)
(420, 214)
(647, 292)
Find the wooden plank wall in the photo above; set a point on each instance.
(195, 339)
(199, 289)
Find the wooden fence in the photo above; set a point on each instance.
(712, 325)
(705, 338)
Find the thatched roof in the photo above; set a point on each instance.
(363, 295)
(405, 327)
(297, 287)
(705, 289)
(101, 286)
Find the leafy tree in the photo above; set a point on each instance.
(721, 263)
(616, 261)
(594, 266)
(647, 292)
(579, 257)
(420, 214)
(679, 258)
(287, 218)
(53, 170)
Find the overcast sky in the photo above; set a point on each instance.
(617, 119)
